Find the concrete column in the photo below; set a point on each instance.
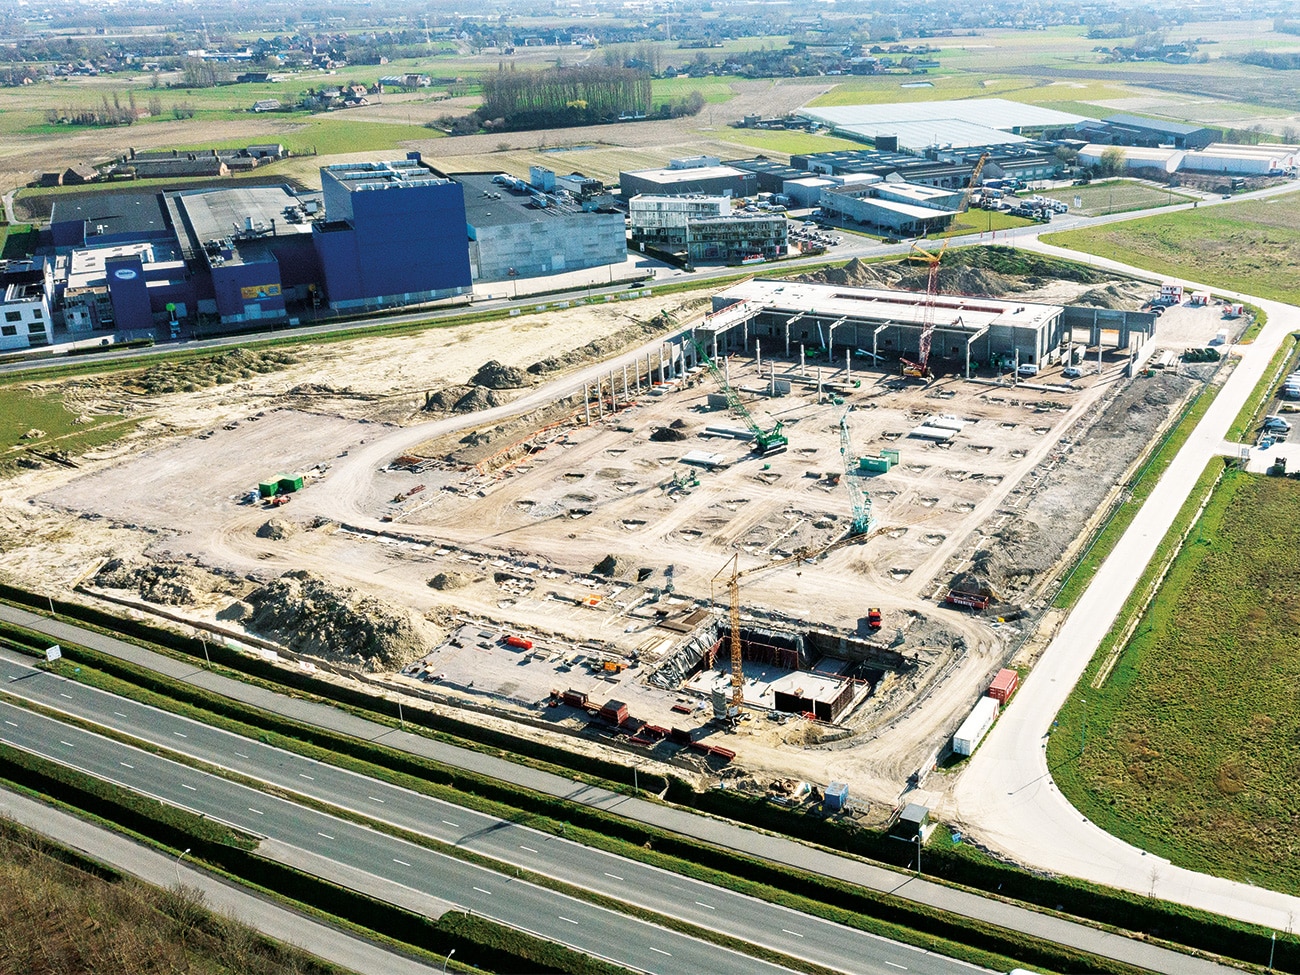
(600, 400)
(726, 369)
(819, 384)
(771, 378)
(848, 365)
(586, 403)
(787, 340)
(625, 395)
(802, 367)
(613, 393)
(968, 360)
(715, 346)
(636, 376)
(663, 375)
(649, 371)
(758, 354)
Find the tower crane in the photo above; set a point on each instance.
(921, 368)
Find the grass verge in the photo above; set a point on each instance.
(1248, 416)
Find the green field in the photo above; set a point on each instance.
(17, 240)
(1116, 196)
(1191, 740)
(1252, 246)
(22, 410)
(982, 222)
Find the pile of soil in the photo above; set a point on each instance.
(667, 435)
(611, 565)
(276, 529)
(1110, 296)
(312, 616)
(601, 348)
(449, 580)
(462, 399)
(494, 375)
(32, 434)
(165, 583)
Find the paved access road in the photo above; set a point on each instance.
(273, 920)
(1006, 795)
(729, 835)
(484, 891)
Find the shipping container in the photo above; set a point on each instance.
(836, 796)
(268, 489)
(575, 699)
(876, 465)
(290, 483)
(1004, 685)
(519, 642)
(975, 727)
(615, 712)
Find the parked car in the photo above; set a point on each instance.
(1027, 369)
(1071, 372)
(1275, 424)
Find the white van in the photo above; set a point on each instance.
(1027, 369)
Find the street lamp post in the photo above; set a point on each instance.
(178, 865)
(918, 853)
(447, 959)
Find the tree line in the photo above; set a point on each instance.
(564, 96)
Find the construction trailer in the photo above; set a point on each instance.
(975, 727)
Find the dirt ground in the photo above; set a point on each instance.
(588, 538)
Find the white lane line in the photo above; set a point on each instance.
(894, 964)
(11, 724)
(402, 862)
(258, 811)
(660, 950)
(482, 891)
(448, 822)
(569, 919)
(613, 876)
(795, 933)
(304, 775)
(124, 765)
(68, 743)
(241, 754)
(179, 735)
(119, 714)
(190, 787)
(373, 799)
(326, 835)
(528, 848)
(707, 907)
(68, 696)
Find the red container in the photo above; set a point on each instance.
(1004, 685)
(520, 642)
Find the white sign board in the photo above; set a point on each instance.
(53, 653)
(1078, 202)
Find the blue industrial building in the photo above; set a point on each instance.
(394, 233)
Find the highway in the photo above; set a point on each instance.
(594, 930)
(776, 849)
(1006, 796)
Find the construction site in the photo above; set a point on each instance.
(793, 535)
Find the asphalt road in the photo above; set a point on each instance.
(340, 948)
(485, 892)
(1006, 795)
(774, 848)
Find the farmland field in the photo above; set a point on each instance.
(1252, 246)
(1116, 196)
(1191, 740)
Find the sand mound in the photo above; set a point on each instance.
(494, 375)
(312, 616)
(667, 435)
(276, 529)
(449, 580)
(166, 583)
(611, 565)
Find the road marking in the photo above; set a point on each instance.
(12, 724)
(660, 950)
(326, 835)
(613, 875)
(482, 891)
(190, 787)
(448, 822)
(795, 933)
(119, 714)
(68, 696)
(528, 848)
(894, 964)
(373, 799)
(304, 775)
(124, 765)
(68, 743)
(402, 862)
(179, 735)
(708, 907)
(258, 811)
(241, 754)
(569, 919)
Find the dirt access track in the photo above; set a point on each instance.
(512, 545)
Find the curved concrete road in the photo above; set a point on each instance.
(1006, 796)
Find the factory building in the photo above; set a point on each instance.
(25, 315)
(771, 174)
(527, 228)
(1135, 130)
(1232, 160)
(899, 207)
(961, 123)
(705, 229)
(1134, 157)
(688, 181)
(393, 234)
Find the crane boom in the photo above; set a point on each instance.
(766, 441)
(859, 499)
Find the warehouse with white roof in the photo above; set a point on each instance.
(953, 123)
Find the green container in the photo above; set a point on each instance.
(891, 455)
(290, 483)
(877, 465)
(267, 489)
